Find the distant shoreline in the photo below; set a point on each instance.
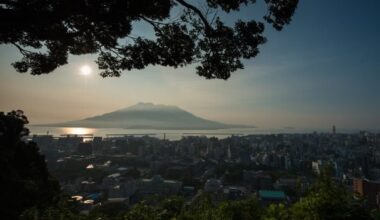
(176, 134)
(143, 128)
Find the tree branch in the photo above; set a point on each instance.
(153, 23)
(22, 50)
(197, 11)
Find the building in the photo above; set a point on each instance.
(368, 189)
(271, 196)
(97, 145)
(84, 148)
(257, 180)
(158, 185)
(317, 166)
(213, 185)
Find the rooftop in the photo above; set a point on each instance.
(270, 194)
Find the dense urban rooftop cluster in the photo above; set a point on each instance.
(275, 168)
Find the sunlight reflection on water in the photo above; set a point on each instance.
(79, 131)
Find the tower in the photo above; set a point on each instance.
(334, 129)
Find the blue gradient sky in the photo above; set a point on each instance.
(323, 69)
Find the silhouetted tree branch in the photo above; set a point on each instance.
(47, 31)
(208, 27)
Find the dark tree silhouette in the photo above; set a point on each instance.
(24, 178)
(47, 31)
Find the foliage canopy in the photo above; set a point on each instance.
(185, 32)
(24, 179)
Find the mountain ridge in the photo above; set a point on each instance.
(148, 116)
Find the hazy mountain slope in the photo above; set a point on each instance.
(148, 116)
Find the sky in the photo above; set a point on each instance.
(321, 70)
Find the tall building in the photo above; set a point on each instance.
(97, 145)
(334, 129)
(368, 189)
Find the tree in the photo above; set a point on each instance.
(24, 178)
(63, 27)
(329, 200)
(276, 212)
(142, 211)
(240, 210)
(63, 210)
(111, 210)
(171, 207)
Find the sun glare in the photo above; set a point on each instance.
(78, 131)
(85, 70)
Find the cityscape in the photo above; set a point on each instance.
(276, 168)
(189, 110)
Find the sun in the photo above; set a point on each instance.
(85, 70)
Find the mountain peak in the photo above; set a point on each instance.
(144, 104)
(148, 106)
